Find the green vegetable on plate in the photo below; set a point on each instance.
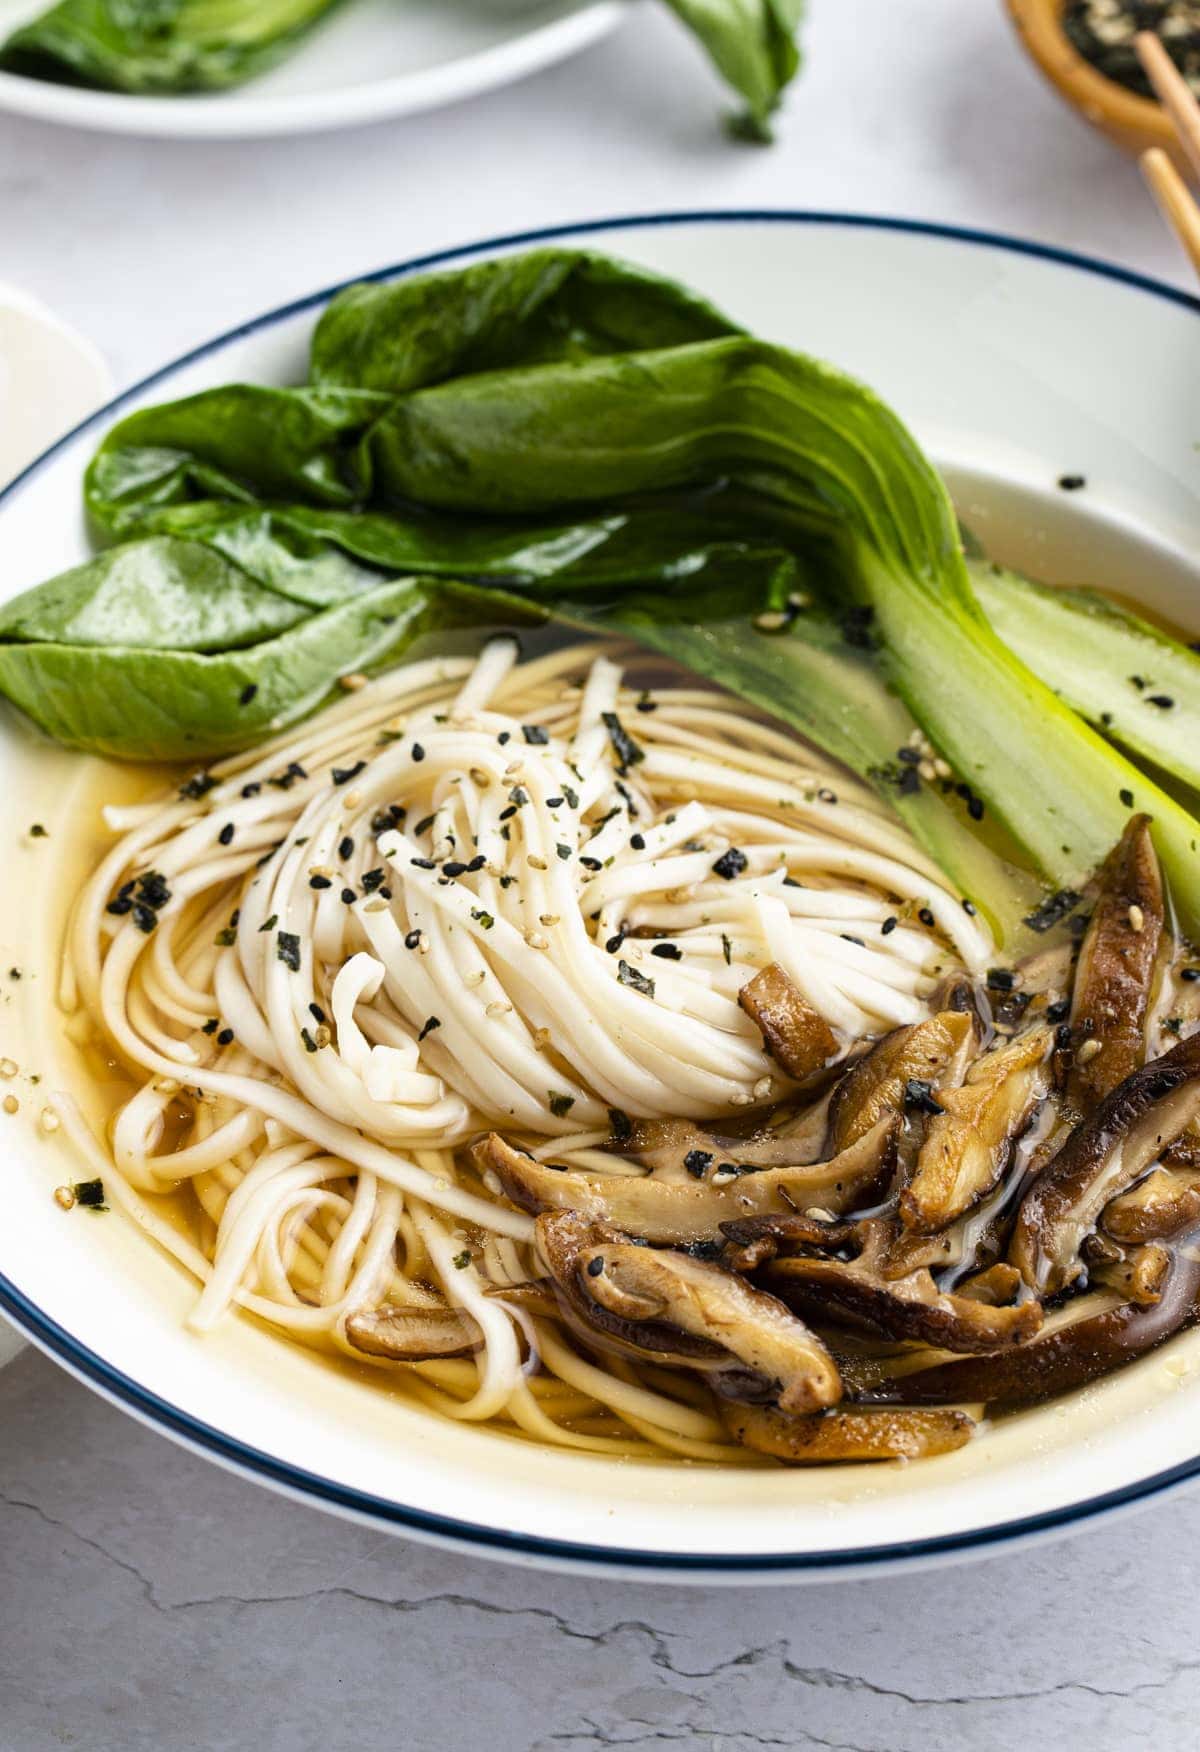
(603, 447)
(156, 47)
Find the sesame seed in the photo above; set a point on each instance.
(11, 1104)
(50, 1120)
(64, 1198)
(8, 1067)
(1087, 1051)
(352, 683)
(500, 1008)
(1137, 918)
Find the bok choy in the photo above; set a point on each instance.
(616, 452)
(161, 46)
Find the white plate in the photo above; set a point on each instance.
(1014, 364)
(374, 60)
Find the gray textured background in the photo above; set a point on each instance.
(149, 1603)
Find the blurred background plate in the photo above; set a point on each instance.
(373, 60)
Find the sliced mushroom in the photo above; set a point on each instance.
(412, 1335)
(1136, 1273)
(921, 1052)
(691, 1209)
(907, 1308)
(798, 1037)
(1157, 1206)
(1115, 975)
(755, 1240)
(852, 1434)
(666, 1144)
(667, 1307)
(1084, 1340)
(1103, 1156)
(968, 1144)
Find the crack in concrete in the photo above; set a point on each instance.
(658, 1641)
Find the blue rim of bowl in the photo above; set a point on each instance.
(114, 1384)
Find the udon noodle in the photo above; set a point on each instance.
(474, 894)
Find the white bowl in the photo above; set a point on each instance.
(1015, 364)
(373, 61)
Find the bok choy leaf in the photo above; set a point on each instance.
(156, 46)
(161, 46)
(1128, 678)
(614, 448)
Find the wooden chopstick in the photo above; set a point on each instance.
(1173, 92)
(1175, 200)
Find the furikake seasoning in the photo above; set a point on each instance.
(1102, 31)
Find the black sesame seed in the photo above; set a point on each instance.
(251, 790)
(225, 1037)
(554, 802)
(536, 735)
(730, 864)
(431, 1022)
(373, 879)
(504, 736)
(888, 926)
(1001, 979)
(122, 904)
(346, 847)
(319, 882)
(926, 917)
(1071, 483)
(1190, 974)
(211, 1026)
(418, 753)
(418, 863)
(969, 908)
(343, 775)
(588, 863)
(412, 939)
(638, 842)
(564, 852)
(310, 1044)
(595, 1266)
(697, 1162)
(1164, 701)
(975, 808)
(667, 952)
(614, 943)
(247, 693)
(1059, 1010)
(571, 796)
(197, 786)
(476, 864)
(143, 917)
(454, 868)
(1126, 798)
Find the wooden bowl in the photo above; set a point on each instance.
(1134, 123)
